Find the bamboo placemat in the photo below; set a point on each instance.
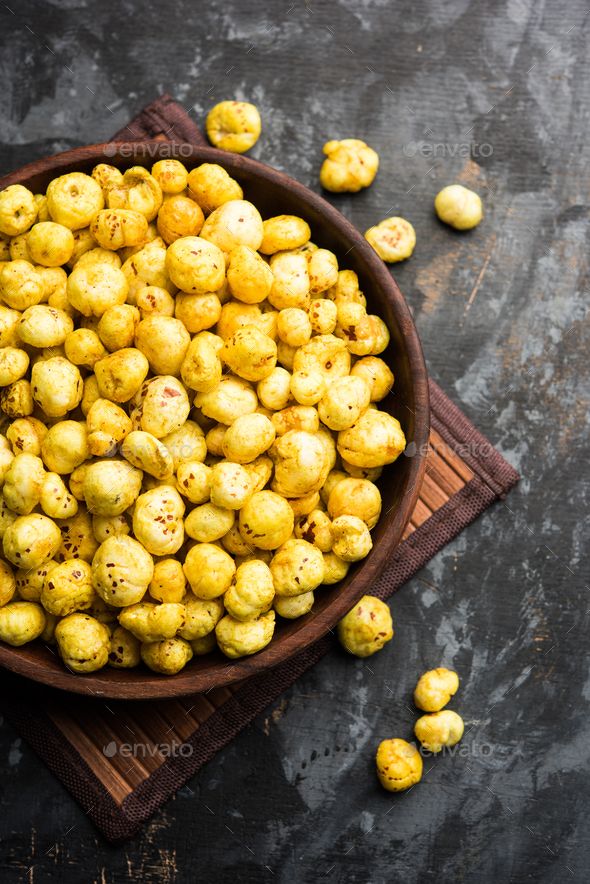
(92, 745)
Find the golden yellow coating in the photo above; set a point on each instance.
(197, 312)
(435, 688)
(7, 456)
(274, 390)
(44, 326)
(16, 400)
(147, 453)
(201, 617)
(107, 176)
(95, 288)
(209, 570)
(284, 232)
(118, 228)
(109, 526)
(121, 571)
(77, 538)
(157, 520)
(29, 582)
(23, 482)
(292, 607)
(240, 638)
(344, 401)
(211, 186)
(168, 583)
(31, 540)
(393, 239)
(171, 175)
(230, 485)
(18, 249)
(110, 486)
(116, 327)
(124, 651)
(150, 300)
(235, 223)
(323, 271)
(195, 265)
(260, 471)
(208, 522)
(56, 501)
(68, 588)
(356, 497)
(290, 285)
(84, 347)
(233, 125)
(205, 645)
(138, 191)
(7, 583)
(8, 327)
(18, 210)
(252, 592)
(316, 528)
(179, 216)
(21, 622)
(248, 437)
(84, 242)
(297, 567)
(186, 445)
(167, 657)
(375, 439)
(399, 765)
(235, 315)
(294, 326)
(153, 623)
(74, 199)
(148, 267)
(439, 730)
(300, 463)
(14, 364)
(231, 398)
(201, 367)
(249, 277)
(164, 341)
(376, 373)
(296, 417)
(83, 642)
(120, 375)
(21, 285)
(161, 406)
(50, 244)
(65, 446)
(250, 353)
(325, 353)
(366, 628)
(308, 386)
(350, 165)
(352, 538)
(459, 207)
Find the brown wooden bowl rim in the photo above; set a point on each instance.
(107, 682)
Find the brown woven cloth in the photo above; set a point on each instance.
(79, 738)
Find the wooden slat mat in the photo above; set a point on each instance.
(122, 761)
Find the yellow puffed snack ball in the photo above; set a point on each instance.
(186, 445)
(302, 506)
(240, 638)
(21, 285)
(65, 446)
(235, 223)
(294, 326)
(77, 538)
(120, 375)
(124, 652)
(352, 538)
(21, 622)
(148, 267)
(211, 186)
(376, 373)
(179, 216)
(84, 347)
(252, 591)
(44, 326)
(116, 327)
(375, 439)
(7, 456)
(248, 437)
(150, 300)
(208, 522)
(230, 485)
(122, 571)
(50, 244)
(57, 386)
(14, 364)
(300, 460)
(234, 543)
(92, 290)
(355, 327)
(153, 623)
(18, 249)
(164, 341)
(5, 243)
(118, 228)
(18, 210)
(284, 232)
(435, 688)
(30, 581)
(84, 242)
(23, 482)
(356, 497)
(399, 765)
(201, 367)
(325, 353)
(168, 583)
(68, 588)
(147, 453)
(195, 265)
(171, 175)
(197, 312)
(83, 642)
(323, 315)
(347, 289)
(233, 125)
(161, 406)
(167, 657)
(439, 730)
(297, 567)
(31, 541)
(8, 326)
(290, 286)
(201, 617)
(107, 176)
(231, 398)
(249, 276)
(308, 386)
(209, 570)
(109, 526)
(344, 401)
(393, 239)
(316, 528)
(366, 628)
(138, 191)
(56, 501)
(193, 481)
(349, 166)
(296, 417)
(323, 271)
(157, 520)
(74, 199)
(7, 583)
(292, 607)
(16, 400)
(235, 315)
(274, 390)
(110, 486)
(459, 207)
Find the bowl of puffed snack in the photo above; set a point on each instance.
(213, 419)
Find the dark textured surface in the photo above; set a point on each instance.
(492, 95)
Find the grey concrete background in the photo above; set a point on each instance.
(492, 95)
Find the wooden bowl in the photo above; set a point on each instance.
(273, 193)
